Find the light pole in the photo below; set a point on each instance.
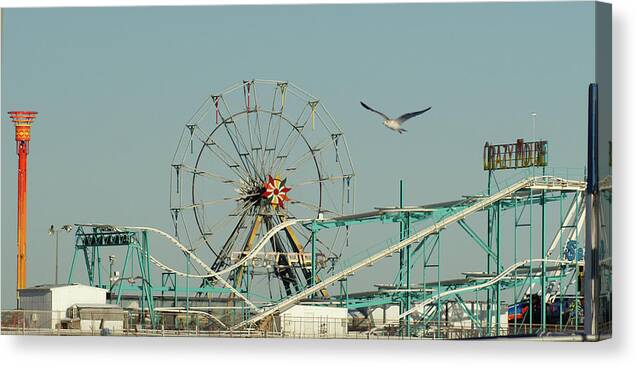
(533, 116)
(111, 262)
(53, 231)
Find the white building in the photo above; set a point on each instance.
(45, 305)
(303, 321)
(95, 317)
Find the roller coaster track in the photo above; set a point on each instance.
(533, 183)
(571, 217)
(194, 312)
(486, 284)
(209, 272)
(192, 257)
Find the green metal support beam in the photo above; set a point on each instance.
(474, 236)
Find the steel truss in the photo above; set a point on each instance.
(529, 192)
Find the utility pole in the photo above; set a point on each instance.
(591, 255)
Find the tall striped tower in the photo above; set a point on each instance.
(23, 121)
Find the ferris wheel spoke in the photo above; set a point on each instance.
(257, 130)
(331, 199)
(205, 173)
(264, 157)
(219, 226)
(210, 202)
(321, 180)
(223, 223)
(238, 138)
(285, 153)
(224, 253)
(271, 152)
(294, 128)
(246, 100)
(224, 157)
(234, 139)
(312, 207)
(306, 157)
(236, 147)
(234, 167)
(201, 224)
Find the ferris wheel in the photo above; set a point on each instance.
(251, 157)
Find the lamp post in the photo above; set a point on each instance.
(53, 231)
(111, 262)
(533, 116)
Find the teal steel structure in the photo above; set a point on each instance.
(423, 257)
(135, 275)
(521, 284)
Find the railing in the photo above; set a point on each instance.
(22, 322)
(103, 323)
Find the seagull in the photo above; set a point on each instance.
(394, 124)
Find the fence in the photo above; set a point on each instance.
(99, 322)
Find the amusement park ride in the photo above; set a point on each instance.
(22, 121)
(262, 202)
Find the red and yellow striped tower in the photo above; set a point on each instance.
(23, 121)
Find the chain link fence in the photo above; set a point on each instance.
(106, 322)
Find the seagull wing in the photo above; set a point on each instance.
(373, 110)
(409, 115)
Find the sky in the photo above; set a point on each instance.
(114, 86)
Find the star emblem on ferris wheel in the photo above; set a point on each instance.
(275, 191)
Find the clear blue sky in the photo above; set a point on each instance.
(114, 86)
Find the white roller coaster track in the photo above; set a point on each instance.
(570, 218)
(192, 257)
(194, 312)
(570, 232)
(209, 272)
(489, 283)
(537, 183)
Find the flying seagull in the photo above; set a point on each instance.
(394, 124)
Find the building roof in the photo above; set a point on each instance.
(41, 287)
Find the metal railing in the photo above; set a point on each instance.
(55, 323)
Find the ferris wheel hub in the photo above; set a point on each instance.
(275, 192)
